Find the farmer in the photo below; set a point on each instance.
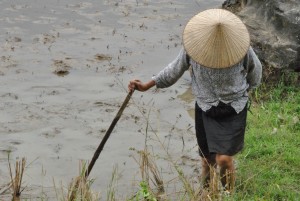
(223, 69)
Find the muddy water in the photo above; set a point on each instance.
(64, 67)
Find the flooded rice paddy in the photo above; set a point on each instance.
(64, 69)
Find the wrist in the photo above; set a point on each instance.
(150, 84)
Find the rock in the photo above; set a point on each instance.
(274, 26)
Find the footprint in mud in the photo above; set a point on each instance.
(61, 68)
(102, 57)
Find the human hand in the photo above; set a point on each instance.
(140, 86)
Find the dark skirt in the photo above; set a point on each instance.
(220, 130)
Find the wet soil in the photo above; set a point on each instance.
(64, 69)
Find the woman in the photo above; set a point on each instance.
(224, 68)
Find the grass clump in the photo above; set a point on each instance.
(79, 188)
(144, 193)
(16, 180)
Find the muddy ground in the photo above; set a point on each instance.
(64, 69)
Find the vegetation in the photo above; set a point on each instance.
(16, 181)
(269, 165)
(267, 169)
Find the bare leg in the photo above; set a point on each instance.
(227, 172)
(207, 163)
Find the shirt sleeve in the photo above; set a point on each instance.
(254, 67)
(172, 72)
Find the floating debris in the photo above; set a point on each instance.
(61, 68)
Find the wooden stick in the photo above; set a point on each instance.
(100, 147)
(107, 134)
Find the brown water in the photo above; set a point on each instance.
(64, 69)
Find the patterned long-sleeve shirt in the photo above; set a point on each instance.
(212, 85)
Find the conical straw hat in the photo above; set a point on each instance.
(216, 38)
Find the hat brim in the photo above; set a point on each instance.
(216, 38)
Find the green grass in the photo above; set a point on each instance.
(144, 193)
(269, 166)
(268, 169)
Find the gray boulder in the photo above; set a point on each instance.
(274, 26)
